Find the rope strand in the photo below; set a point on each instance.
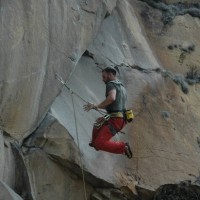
(81, 161)
(59, 78)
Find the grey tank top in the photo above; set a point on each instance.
(119, 104)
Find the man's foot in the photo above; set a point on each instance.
(91, 145)
(128, 151)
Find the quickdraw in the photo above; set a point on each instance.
(101, 121)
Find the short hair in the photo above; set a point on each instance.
(110, 70)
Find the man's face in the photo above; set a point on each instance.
(105, 77)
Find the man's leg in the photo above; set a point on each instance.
(94, 136)
(102, 141)
(95, 131)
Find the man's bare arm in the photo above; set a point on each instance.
(109, 99)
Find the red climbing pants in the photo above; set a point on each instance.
(101, 138)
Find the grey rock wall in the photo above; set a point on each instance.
(44, 152)
(7, 193)
(7, 163)
(36, 43)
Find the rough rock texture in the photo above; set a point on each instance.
(44, 152)
(7, 193)
(170, 11)
(181, 191)
(35, 44)
(7, 164)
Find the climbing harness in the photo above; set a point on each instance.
(104, 120)
(127, 114)
(117, 114)
(101, 121)
(112, 129)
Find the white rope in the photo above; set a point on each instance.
(59, 78)
(81, 161)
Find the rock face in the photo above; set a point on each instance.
(7, 193)
(180, 191)
(44, 152)
(36, 43)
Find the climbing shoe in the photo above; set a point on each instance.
(128, 151)
(91, 145)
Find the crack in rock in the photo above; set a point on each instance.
(170, 11)
(88, 11)
(177, 78)
(157, 70)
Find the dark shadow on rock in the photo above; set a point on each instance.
(76, 169)
(192, 75)
(88, 54)
(170, 11)
(22, 182)
(181, 191)
(178, 79)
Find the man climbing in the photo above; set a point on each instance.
(106, 127)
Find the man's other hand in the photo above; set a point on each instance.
(89, 106)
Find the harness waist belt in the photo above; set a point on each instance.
(116, 114)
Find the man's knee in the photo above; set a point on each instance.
(98, 144)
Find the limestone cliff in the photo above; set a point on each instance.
(44, 136)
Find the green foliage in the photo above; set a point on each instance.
(193, 74)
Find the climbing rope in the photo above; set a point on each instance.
(59, 78)
(77, 137)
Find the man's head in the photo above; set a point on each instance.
(108, 74)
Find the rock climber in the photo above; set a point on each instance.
(106, 127)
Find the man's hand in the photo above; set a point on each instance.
(89, 106)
